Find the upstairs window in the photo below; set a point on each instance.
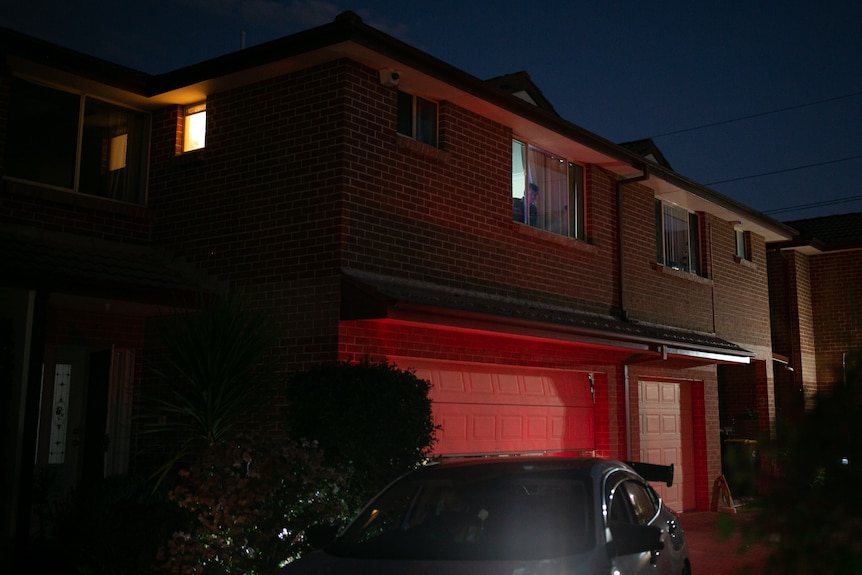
(743, 245)
(547, 191)
(194, 127)
(677, 238)
(417, 118)
(76, 143)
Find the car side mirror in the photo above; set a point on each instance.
(628, 538)
(319, 536)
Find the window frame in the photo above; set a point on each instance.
(105, 152)
(422, 129)
(668, 240)
(566, 213)
(189, 113)
(742, 247)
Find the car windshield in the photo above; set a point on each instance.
(527, 515)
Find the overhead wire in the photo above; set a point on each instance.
(792, 169)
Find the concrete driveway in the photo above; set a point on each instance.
(716, 545)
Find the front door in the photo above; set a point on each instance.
(73, 413)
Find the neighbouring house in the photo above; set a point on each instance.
(815, 285)
(562, 293)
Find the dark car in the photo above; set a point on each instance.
(509, 516)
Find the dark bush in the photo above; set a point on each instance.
(811, 513)
(372, 420)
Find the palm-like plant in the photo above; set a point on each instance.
(211, 376)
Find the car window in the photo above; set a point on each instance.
(633, 502)
(528, 516)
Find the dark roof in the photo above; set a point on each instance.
(648, 149)
(836, 232)
(61, 262)
(380, 293)
(520, 82)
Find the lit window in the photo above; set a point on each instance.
(677, 237)
(76, 143)
(547, 191)
(417, 118)
(195, 127)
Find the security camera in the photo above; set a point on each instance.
(389, 77)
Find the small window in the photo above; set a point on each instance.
(195, 127)
(677, 237)
(743, 246)
(417, 118)
(547, 191)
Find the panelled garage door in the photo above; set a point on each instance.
(665, 420)
(493, 409)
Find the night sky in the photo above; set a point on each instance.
(759, 100)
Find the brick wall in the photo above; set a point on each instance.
(836, 299)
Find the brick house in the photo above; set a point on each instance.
(377, 201)
(815, 285)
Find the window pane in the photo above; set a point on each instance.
(694, 244)
(659, 233)
(548, 173)
(42, 136)
(576, 185)
(113, 150)
(676, 237)
(519, 180)
(405, 114)
(195, 127)
(426, 121)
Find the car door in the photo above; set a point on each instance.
(632, 501)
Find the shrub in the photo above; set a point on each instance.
(250, 500)
(372, 419)
(810, 512)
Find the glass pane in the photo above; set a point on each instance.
(676, 237)
(576, 185)
(519, 180)
(195, 130)
(405, 114)
(426, 122)
(42, 136)
(113, 148)
(549, 174)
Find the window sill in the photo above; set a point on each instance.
(407, 144)
(550, 237)
(191, 157)
(75, 199)
(745, 262)
(681, 274)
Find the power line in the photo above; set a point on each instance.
(758, 115)
(813, 205)
(793, 169)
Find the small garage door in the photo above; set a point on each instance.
(665, 416)
(493, 409)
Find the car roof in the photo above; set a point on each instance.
(512, 465)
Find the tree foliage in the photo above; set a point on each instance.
(372, 420)
(249, 501)
(211, 378)
(811, 512)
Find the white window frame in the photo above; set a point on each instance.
(677, 238)
(559, 204)
(194, 127)
(424, 118)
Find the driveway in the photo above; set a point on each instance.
(716, 546)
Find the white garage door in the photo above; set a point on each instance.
(493, 409)
(663, 418)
